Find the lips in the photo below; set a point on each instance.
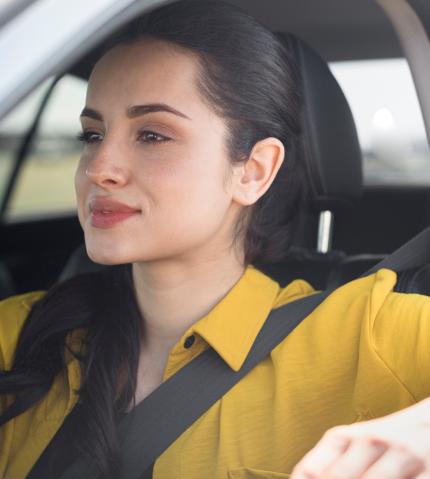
(105, 212)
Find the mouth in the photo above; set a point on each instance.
(107, 212)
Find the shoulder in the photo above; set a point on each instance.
(384, 304)
(407, 317)
(371, 315)
(372, 291)
(347, 312)
(13, 313)
(372, 303)
(295, 290)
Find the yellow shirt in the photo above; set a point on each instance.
(363, 353)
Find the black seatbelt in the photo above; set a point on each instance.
(178, 402)
(414, 253)
(162, 417)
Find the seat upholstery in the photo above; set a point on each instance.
(331, 155)
(7, 287)
(79, 263)
(331, 151)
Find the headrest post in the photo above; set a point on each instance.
(325, 230)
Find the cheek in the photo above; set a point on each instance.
(81, 187)
(188, 192)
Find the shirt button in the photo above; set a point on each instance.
(189, 341)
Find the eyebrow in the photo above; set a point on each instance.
(136, 111)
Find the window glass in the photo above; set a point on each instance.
(390, 127)
(12, 130)
(45, 182)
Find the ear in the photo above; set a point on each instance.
(253, 178)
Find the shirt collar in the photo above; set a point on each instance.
(232, 326)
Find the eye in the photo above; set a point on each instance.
(89, 136)
(147, 136)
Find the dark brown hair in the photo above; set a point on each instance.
(249, 78)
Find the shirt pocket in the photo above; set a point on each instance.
(248, 473)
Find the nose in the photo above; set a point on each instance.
(105, 168)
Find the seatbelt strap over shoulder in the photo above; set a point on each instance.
(166, 413)
(414, 253)
(208, 378)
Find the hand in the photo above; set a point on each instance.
(392, 447)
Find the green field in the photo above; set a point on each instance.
(44, 185)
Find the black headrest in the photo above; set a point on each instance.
(330, 146)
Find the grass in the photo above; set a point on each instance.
(43, 186)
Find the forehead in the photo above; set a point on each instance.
(145, 71)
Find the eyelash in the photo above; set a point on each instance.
(85, 137)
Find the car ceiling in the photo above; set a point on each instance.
(338, 29)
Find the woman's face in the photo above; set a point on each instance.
(153, 144)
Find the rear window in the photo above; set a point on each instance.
(390, 126)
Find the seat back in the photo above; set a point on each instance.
(331, 155)
(7, 287)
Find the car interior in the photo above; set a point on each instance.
(347, 223)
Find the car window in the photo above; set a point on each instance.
(45, 182)
(12, 130)
(390, 126)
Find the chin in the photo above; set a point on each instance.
(105, 256)
(105, 260)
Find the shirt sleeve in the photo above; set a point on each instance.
(13, 313)
(401, 338)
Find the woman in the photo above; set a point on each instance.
(184, 185)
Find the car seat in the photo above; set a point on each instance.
(331, 155)
(7, 287)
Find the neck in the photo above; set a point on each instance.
(174, 295)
